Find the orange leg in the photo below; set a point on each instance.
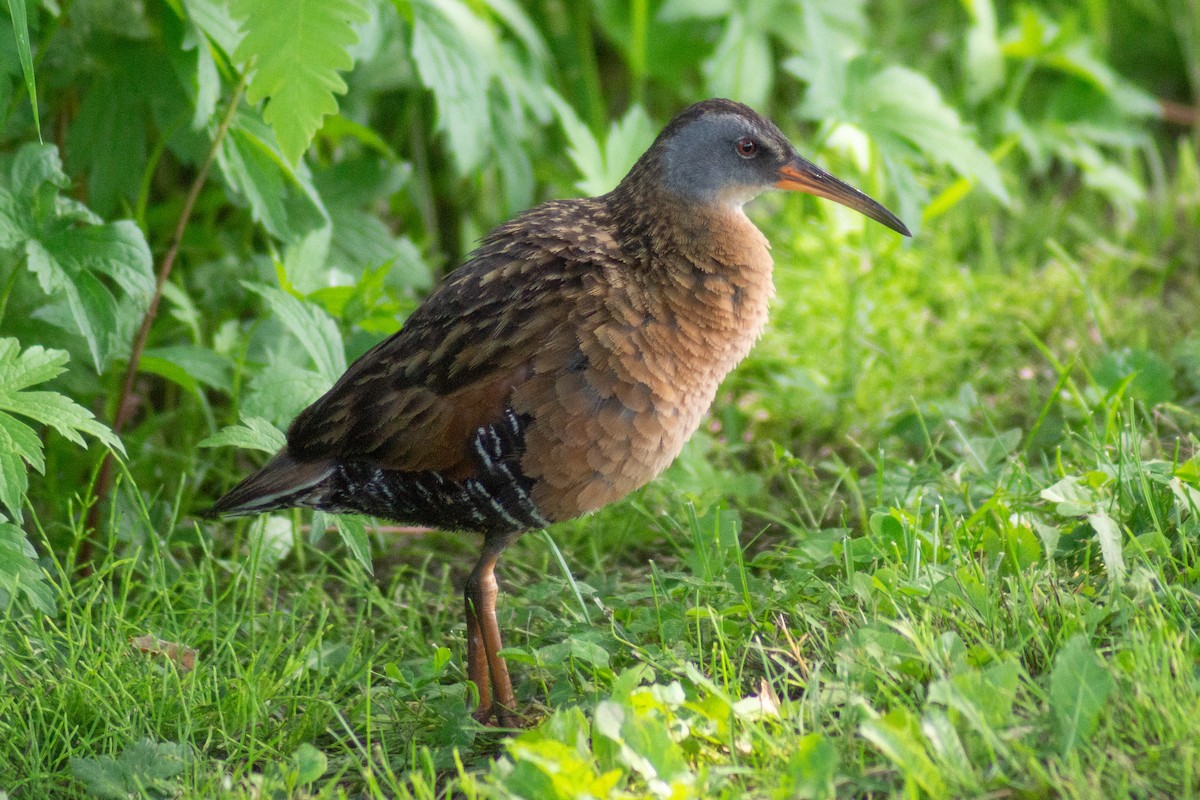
(485, 666)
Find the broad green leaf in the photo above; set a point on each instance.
(1070, 496)
(280, 195)
(1147, 373)
(985, 61)
(107, 138)
(279, 391)
(898, 736)
(295, 51)
(454, 52)
(832, 34)
(353, 531)
(1080, 686)
(145, 769)
(215, 19)
(811, 770)
(903, 111)
(190, 366)
(309, 763)
(552, 761)
(680, 10)
(984, 698)
(741, 67)
(638, 738)
(206, 83)
(315, 329)
(17, 438)
(19, 570)
(252, 433)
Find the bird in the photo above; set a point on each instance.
(563, 365)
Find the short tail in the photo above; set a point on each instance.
(283, 482)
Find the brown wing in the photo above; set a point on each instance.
(414, 401)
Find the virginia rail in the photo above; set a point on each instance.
(562, 366)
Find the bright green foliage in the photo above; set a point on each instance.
(144, 769)
(937, 538)
(20, 24)
(1080, 687)
(252, 433)
(294, 51)
(20, 575)
(71, 251)
(602, 167)
(20, 446)
(281, 196)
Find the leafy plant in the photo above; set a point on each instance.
(946, 509)
(71, 252)
(20, 447)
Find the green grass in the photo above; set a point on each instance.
(977, 576)
(937, 539)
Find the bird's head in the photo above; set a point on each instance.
(722, 152)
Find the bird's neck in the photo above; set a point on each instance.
(705, 266)
(709, 237)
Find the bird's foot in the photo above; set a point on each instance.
(497, 716)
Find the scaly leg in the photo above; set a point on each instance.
(485, 666)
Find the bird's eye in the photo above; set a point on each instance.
(747, 147)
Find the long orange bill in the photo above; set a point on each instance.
(799, 175)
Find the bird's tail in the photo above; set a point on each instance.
(283, 482)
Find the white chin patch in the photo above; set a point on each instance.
(737, 196)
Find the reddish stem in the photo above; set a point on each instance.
(127, 401)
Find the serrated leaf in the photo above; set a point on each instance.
(315, 329)
(19, 439)
(253, 433)
(353, 531)
(454, 52)
(145, 768)
(19, 570)
(1108, 534)
(69, 251)
(741, 66)
(902, 110)
(602, 168)
(279, 391)
(21, 447)
(215, 20)
(281, 195)
(296, 50)
(1079, 689)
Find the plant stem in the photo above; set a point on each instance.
(589, 68)
(639, 19)
(126, 402)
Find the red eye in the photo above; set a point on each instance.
(747, 147)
